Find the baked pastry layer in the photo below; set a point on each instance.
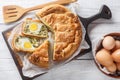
(40, 56)
(66, 27)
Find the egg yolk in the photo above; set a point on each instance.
(27, 45)
(33, 27)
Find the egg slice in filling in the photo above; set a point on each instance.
(26, 43)
(35, 27)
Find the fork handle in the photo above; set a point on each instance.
(50, 3)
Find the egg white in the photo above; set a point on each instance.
(21, 42)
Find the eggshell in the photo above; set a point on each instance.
(111, 68)
(118, 66)
(116, 55)
(104, 58)
(117, 44)
(108, 42)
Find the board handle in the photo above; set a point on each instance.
(104, 13)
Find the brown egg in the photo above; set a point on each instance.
(118, 66)
(116, 55)
(104, 58)
(117, 44)
(108, 42)
(111, 68)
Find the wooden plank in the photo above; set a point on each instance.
(4, 63)
(86, 56)
(82, 12)
(10, 75)
(76, 70)
(98, 3)
(98, 30)
(3, 49)
(83, 3)
(85, 11)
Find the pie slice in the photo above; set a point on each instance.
(22, 43)
(34, 28)
(66, 27)
(40, 56)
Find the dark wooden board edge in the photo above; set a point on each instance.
(13, 55)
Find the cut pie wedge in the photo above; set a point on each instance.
(40, 56)
(34, 28)
(25, 44)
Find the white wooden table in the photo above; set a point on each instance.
(83, 67)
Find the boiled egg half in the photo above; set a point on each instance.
(24, 43)
(35, 27)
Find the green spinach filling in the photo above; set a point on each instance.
(42, 32)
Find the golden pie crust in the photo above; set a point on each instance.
(66, 27)
(40, 56)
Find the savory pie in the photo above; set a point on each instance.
(34, 28)
(25, 44)
(40, 56)
(66, 27)
(66, 35)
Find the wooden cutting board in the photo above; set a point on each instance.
(16, 58)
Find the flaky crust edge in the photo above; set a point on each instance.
(43, 64)
(51, 9)
(73, 47)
